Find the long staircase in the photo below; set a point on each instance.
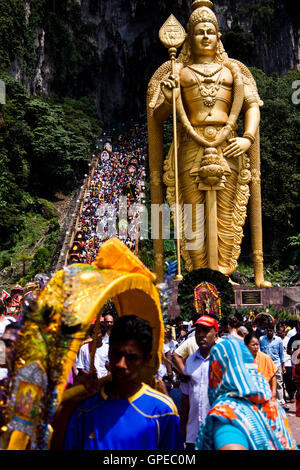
(111, 199)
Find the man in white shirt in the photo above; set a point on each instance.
(194, 403)
(101, 356)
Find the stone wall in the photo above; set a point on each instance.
(287, 298)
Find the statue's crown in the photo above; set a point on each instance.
(202, 3)
(202, 12)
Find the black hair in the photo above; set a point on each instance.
(249, 337)
(111, 314)
(234, 322)
(132, 327)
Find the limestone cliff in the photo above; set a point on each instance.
(108, 49)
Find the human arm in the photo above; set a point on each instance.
(82, 362)
(229, 437)
(81, 372)
(178, 362)
(233, 447)
(168, 364)
(281, 355)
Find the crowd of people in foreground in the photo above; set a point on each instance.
(218, 386)
(221, 384)
(120, 174)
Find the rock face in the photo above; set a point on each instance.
(125, 37)
(130, 51)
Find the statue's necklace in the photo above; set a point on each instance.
(208, 86)
(206, 72)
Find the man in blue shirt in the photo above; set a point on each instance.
(273, 346)
(126, 414)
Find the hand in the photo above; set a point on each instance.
(283, 369)
(167, 87)
(237, 146)
(170, 378)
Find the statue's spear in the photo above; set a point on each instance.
(172, 36)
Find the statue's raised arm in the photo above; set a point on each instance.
(218, 168)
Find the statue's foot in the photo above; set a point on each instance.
(263, 283)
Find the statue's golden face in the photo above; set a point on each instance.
(204, 39)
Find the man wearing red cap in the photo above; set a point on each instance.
(194, 403)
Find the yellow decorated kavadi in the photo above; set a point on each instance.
(52, 334)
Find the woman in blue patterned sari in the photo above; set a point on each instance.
(244, 415)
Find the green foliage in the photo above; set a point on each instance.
(281, 315)
(68, 42)
(146, 253)
(41, 260)
(262, 14)
(239, 43)
(292, 250)
(45, 147)
(280, 150)
(18, 33)
(11, 31)
(33, 250)
(46, 208)
(4, 259)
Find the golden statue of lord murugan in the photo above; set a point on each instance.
(218, 172)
